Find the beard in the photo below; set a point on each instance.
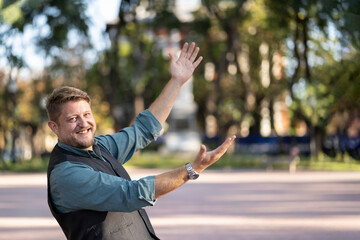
(83, 144)
(80, 141)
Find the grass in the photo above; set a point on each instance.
(154, 160)
(228, 161)
(330, 166)
(33, 165)
(320, 163)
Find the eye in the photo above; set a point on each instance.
(87, 114)
(73, 119)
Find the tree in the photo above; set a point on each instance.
(345, 14)
(241, 45)
(134, 70)
(307, 21)
(51, 23)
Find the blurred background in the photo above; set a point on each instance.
(283, 76)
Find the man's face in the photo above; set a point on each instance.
(76, 125)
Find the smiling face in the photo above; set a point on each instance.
(75, 125)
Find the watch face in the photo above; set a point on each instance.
(195, 176)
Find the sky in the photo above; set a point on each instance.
(100, 14)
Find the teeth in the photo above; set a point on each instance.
(85, 131)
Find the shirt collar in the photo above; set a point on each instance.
(81, 152)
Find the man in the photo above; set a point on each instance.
(89, 192)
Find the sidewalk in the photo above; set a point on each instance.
(219, 205)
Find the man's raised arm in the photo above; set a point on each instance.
(181, 71)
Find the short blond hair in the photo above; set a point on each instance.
(60, 96)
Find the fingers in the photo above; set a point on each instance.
(190, 50)
(194, 54)
(190, 53)
(224, 147)
(198, 61)
(228, 141)
(184, 50)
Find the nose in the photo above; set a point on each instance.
(82, 122)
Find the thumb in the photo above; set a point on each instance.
(201, 153)
(172, 57)
(197, 163)
(202, 149)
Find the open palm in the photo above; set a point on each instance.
(182, 69)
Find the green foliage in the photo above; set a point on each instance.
(321, 71)
(53, 19)
(166, 19)
(11, 11)
(135, 64)
(340, 85)
(47, 24)
(346, 16)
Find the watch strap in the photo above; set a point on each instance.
(191, 172)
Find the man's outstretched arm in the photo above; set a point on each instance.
(169, 181)
(76, 186)
(181, 71)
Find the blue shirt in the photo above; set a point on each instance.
(76, 186)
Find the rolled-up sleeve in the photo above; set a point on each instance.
(76, 186)
(123, 144)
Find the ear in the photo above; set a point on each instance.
(53, 126)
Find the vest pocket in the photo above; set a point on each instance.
(124, 226)
(123, 233)
(117, 225)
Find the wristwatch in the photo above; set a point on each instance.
(191, 172)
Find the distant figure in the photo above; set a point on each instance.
(89, 192)
(294, 159)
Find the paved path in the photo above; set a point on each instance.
(219, 205)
